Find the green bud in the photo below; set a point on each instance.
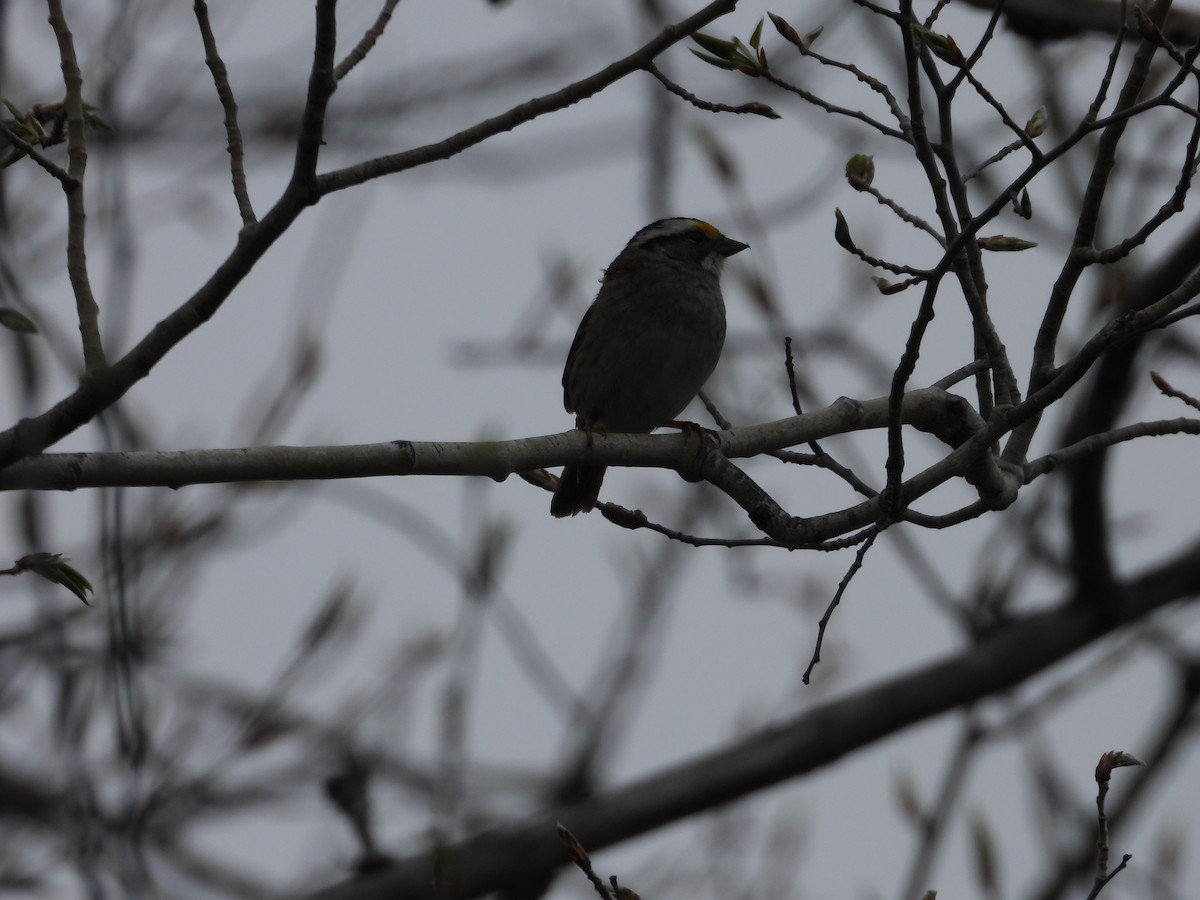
(713, 61)
(1002, 242)
(786, 31)
(756, 37)
(717, 47)
(941, 45)
(841, 232)
(1037, 123)
(860, 171)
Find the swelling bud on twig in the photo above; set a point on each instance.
(1114, 759)
(887, 288)
(1146, 26)
(1003, 242)
(860, 171)
(1022, 205)
(841, 232)
(941, 45)
(733, 55)
(789, 34)
(1037, 123)
(53, 567)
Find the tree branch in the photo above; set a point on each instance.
(1009, 656)
(85, 302)
(233, 132)
(523, 112)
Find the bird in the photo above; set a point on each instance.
(647, 344)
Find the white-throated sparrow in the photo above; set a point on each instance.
(647, 343)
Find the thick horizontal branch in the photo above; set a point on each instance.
(816, 738)
(948, 417)
(945, 415)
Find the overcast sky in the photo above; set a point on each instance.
(402, 279)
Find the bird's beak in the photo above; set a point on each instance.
(728, 246)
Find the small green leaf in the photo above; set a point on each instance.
(841, 232)
(53, 567)
(717, 47)
(756, 37)
(811, 38)
(713, 61)
(16, 321)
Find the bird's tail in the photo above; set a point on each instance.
(577, 491)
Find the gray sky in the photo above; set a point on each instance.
(395, 277)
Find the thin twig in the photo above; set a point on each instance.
(932, 18)
(1110, 67)
(820, 103)
(634, 519)
(873, 533)
(77, 271)
(846, 242)
(1163, 385)
(820, 457)
(995, 104)
(954, 210)
(1170, 320)
(363, 47)
(878, 10)
(233, 132)
(339, 179)
(752, 108)
(1046, 343)
(1000, 154)
(1168, 210)
(1095, 442)
(946, 520)
(972, 368)
(891, 502)
(904, 214)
